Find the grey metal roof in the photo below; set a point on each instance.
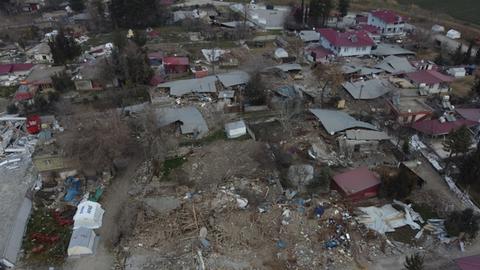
(233, 78)
(309, 35)
(349, 69)
(370, 89)
(287, 67)
(235, 125)
(80, 237)
(395, 65)
(43, 74)
(190, 117)
(183, 87)
(366, 135)
(390, 49)
(336, 121)
(226, 94)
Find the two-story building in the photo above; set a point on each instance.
(350, 43)
(431, 81)
(388, 22)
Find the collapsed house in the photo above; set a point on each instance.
(395, 65)
(384, 50)
(337, 121)
(188, 120)
(407, 110)
(360, 141)
(41, 53)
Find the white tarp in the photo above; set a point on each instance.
(453, 34)
(89, 215)
(280, 53)
(387, 218)
(235, 129)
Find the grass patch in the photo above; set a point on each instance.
(425, 210)
(7, 91)
(403, 234)
(42, 221)
(171, 164)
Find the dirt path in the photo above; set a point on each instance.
(116, 221)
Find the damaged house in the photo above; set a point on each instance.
(89, 78)
(187, 120)
(370, 89)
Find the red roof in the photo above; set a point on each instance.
(175, 61)
(356, 180)
(5, 69)
(319, 51)
(8, 68)
(428, 77)
(21, 67)
(435, 127)
(468, 263)
(156, 80)
(470, 114)
(387, 16)
(368, 28)
(346, 39)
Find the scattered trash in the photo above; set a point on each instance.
(319, 210)
(281, 244)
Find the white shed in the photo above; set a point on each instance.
(235, 129)
(457, 72)
(82, 242)
(453, 34)
(280, 53)
(438, 29)
(89, 215)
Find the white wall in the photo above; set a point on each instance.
(345, 51)
(387, 29)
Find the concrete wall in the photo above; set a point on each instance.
(387, 29)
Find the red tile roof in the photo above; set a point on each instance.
(368, 28)
(8, 68)
(156, 80)
(175, 61)
(428, 77)
(468, 263)
(435, 128)
(356, 180)
(470, 114)
(21, 67)
(387, 16)
(5, 69)
(346, 39)
(319, 51)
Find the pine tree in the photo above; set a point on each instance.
(320, 11)
(343, 6)
(458, 57)
(64, 48)
(467, 59)
(134, 13)
(414, 262)
(77, 5)
(477, 57)
(458, 141)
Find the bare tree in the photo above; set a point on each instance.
(331, 77)
(96, 139)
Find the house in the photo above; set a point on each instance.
(389, 22)
(360, 141)
(309, 36)
(351, 43)
(453, 34)
(337, 121)
(317, 54)
(188, 120)
(383, 50)
(372, 31)
(176, 64)
(468, 263)
(82, 242)
(457, 72)
(40, 53)
(269, 17)
(441, 126)
(395, 65)
(235, 129)
(41, 77)
(431, 81)
(370, 89)
(408, 110)
(11, 73)
(88, 215)
(357, 184)
(88, 78)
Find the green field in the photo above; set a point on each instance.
(466, 10)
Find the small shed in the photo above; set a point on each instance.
(176, 64)
(357, 184)
(280, 53)
(453, 34)
(235, 129)
(438, 28)
(83, 242)
(457, 72)
(89, 215)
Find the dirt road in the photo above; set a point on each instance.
(117, 220)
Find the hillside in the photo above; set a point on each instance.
(466, 10)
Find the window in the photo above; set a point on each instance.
(364, 48)
(344, 49)
(44, 57)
